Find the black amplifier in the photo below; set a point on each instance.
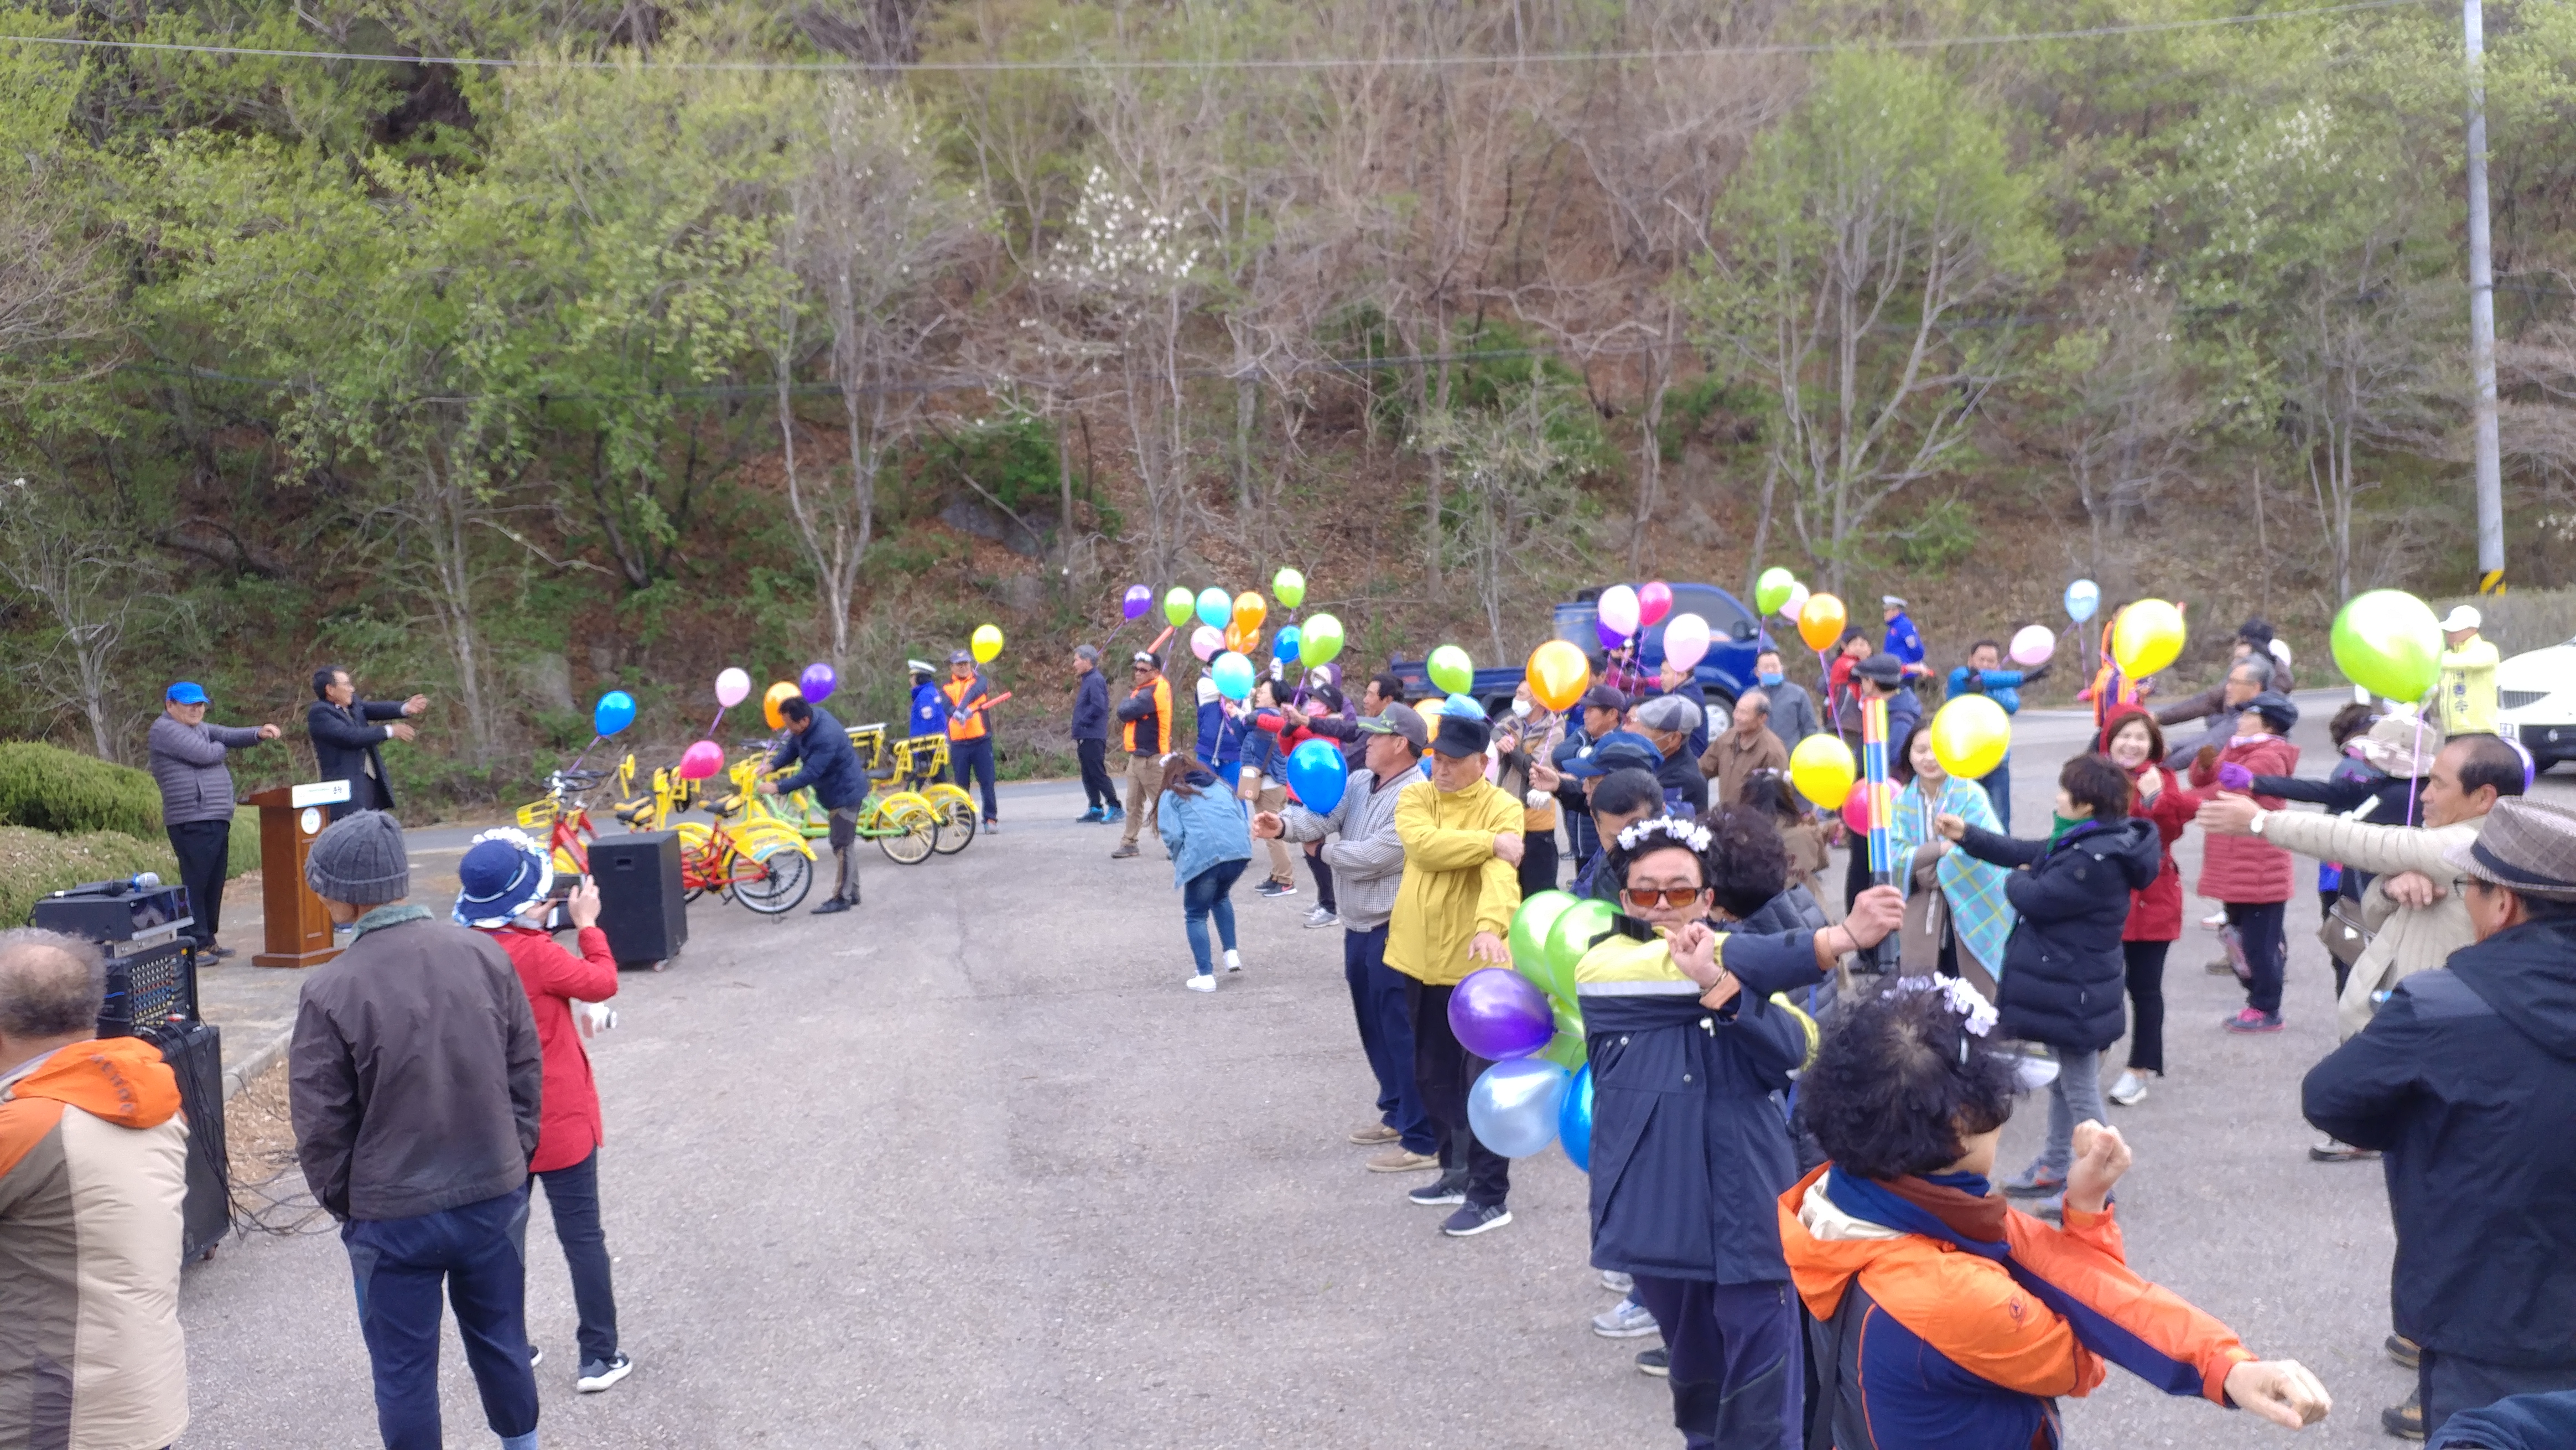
(114, 911)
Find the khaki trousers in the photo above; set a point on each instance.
(1144, 791)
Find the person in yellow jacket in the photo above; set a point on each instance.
(1462, 854)
(2468, 690)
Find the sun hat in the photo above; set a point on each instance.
(2524, 846)
(504, 873)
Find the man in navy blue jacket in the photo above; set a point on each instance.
(1091, 736)
(831, 766)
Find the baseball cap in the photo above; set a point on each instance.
(1462, 735)
(1668, 712)
(1881, 669)
(2461, 618)
(1604, 697)
(960, 657)
(1618, 750)
(1399, 719)
(187, 692)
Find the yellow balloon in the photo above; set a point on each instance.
(1970, 735)
(2147, 638)
(986, 642)
(1822, 770)
(1558, 675)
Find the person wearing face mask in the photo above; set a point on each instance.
(2133, 743)
(1793, 710)
(2247, 874)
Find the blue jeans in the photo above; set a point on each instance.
(2073, 1097)
(572, 1196)
(972, 760)
(1998, 784)
(1205, 895)
(477, 1253)
(1386, 1037)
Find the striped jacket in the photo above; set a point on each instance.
(93, 1174)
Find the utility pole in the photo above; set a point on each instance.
(2482, 346)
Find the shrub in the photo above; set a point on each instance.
(49, 788)
(33, 863)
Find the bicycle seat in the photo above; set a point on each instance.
(634, 811)
(882, 772)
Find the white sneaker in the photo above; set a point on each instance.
(1628, 1319)
(1202, 982)
(2216, 920)
(1322, 916)
(598, 1375)
(2129, 1091)
(1616, 1282)
(1233, 960)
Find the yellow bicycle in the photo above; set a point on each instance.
(905, 826)
(922, 760)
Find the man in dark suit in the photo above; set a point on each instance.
(345, 736)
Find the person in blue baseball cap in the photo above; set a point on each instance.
(187, 760)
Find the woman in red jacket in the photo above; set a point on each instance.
(507, 878)
(2248, 874)
(2134, 744)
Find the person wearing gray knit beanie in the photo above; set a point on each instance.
(359, 860)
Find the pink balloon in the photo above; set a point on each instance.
(1619, 609)
(2033, 645)
(701, 760)
(1207, 641)
(1856, 814)
(1654, 601)
(732, 688)
(1685, 641)
(1796, 601)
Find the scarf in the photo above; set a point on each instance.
(385, 916)
(1972, 889)
(1950, 1208)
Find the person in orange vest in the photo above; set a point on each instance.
(970, 739)
(1147, 717)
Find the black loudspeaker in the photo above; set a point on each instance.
(641, 905)
(195, 1052)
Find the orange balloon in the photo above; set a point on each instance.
(1242, 638)
(776, 695)
(1821, 622)
(1558, 675)
(1249, 611)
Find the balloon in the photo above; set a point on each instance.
(1318, 640)
(1205, 642)
(1567, 1050)
(1970, 735)
(1283, 646)
(985, 642)
(1795, 604)
(2388, 642)
(1514, 1105)
(1685, 641)
(1496, 1014)
(1571, 934)
(1772, 589)
(1177, 606)
(1290, 586)
(1574, 1120)
(1138, 600)
(2082, 598)
(1317, 772)
(818, 682)
(1451, 670)
(701, 760)
(1216, 607)
(614, 712)
(1821, 621)
(1610, 638)
(1250, 610)
(771, 699)
(1856, 813)
(732, 687)
(2033, 646)
(1241, 640)
(1233, 675)
(1529, 941)
(1821, 768)
(1558, 675)
(2147, 638)
(1654, 601)
(1620, 609)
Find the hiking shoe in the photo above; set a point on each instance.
(1125, 850)
(2404, 1350)
(2247, 1022)
(1372, 1135)
(1657, 1361)
(830, 906)
(1432, 1195)
(598, 1375)
(2335, 1150)
(1472, 1219)
(2405, 1421)
(1113, 816)
(1277, 888)
(2036, 1181)
(1202, 982)
(1626, 1320)
(1403, 1160)
(1321, 916)
(1091, 817)
(1616, 1282)
(2129, 1091)
(536, 1356)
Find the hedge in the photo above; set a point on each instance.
(33, 863)
(48, 788)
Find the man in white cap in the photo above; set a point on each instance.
(2468, 676)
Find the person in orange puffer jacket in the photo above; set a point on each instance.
(2250, 876)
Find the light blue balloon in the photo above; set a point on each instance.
(614, 712)
(1462, 708)
(2082, 598)
(1513, 1108)
(1233, 675)
(1574, 1120)
(1283, 646)
(1216, 607)
(1318, 772)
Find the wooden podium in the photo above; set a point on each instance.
(299, 930)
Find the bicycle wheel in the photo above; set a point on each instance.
(956, 829)
(696, 867)
(775, 883)
(908, 833)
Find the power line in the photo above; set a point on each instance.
(1279, 63)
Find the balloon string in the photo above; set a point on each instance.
(2415, 763)
(585, 752)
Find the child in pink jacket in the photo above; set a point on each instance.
(2250, 875)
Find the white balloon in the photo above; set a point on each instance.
(1796, 601)
(1685, 641)
(2033, 645)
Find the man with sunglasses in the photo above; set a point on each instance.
(1146, 714)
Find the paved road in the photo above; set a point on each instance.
(970, 1169)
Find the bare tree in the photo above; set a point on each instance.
(1515, 485)
(80, 570)
(2363, 367)
(2116, 412)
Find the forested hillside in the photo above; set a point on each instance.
(689, 335)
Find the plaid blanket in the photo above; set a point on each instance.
(1973, 889)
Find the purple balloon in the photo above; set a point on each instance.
(818, 682)
(1498, 1014)
(1139, 599)
(1610, 638)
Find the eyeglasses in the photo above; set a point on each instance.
(1672, 896)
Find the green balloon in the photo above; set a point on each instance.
(2388, 642)
(1772, 589)
(1572, 936)
(1452, 670)
(1529, 940)
(1566, 1052)
(1178, 606)
(1318, 640)
(1289, 586)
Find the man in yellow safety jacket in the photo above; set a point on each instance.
(1147, 715)
(2468, 691)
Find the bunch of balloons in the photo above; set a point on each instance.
(1777, 591)
(1529, 1023)
(2388, 642)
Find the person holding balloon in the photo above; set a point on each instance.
(1956, 917)
(1984, 674)
(970, 735)
(821, 751)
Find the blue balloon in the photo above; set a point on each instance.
(614, 712)
(1513, 1108)
(1283, 646)
(1233, 675)
(1574, 1120)
(2082, 598)
(1462, 707)
(1317, 772)
(1216, 607)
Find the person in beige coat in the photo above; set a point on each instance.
(2468, 777)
